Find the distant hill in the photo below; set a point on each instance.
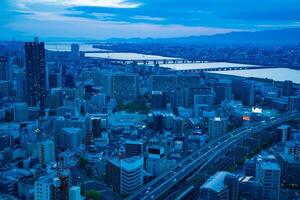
(282, 36)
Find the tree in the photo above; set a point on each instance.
(92, 194)
(82, 162)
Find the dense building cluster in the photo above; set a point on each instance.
(73, 127)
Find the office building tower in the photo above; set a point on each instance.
(223, 92)
(96, 127)
(46, 151)
(243, 91)
(74, 193)
(6, 89)
(75, 53)
(72, 138)
(133, 148)
(125, 87)
(287, 88)
(156, 162)
(269, 175)
(158, 100)
(55, 80)
(250, 188)
(126, 175)
(20, 112)
(70, 81)
(204, 99)
(44, 187)
(188, 81)
(21, 86)
(190, 93)
(5, 69)
(164, 83)
(217, 127)
(35, 74)
(178, 127)
(283, 133)
(104, 81)
(293, 103)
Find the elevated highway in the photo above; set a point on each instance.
(200, 159)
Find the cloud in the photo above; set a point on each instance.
(145, 18)
(96, 3)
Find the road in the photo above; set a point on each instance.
(200, 159)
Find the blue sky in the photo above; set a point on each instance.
(101, 19)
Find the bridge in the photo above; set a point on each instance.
(151, 61)
(167, 63)
(197, 161)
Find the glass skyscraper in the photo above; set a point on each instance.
(35, 74)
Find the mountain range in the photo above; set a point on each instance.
(282, 36)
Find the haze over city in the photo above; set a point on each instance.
(149, 100)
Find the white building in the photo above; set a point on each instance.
(74, 193)
(131, 174)
(43, 187)
(46, 151)
(268, 173)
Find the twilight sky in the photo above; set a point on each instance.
(101, 19)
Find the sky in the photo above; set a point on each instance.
(102, 19)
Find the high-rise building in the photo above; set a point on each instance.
(217, 127)
(125, 175)
(96, 127)
(74, 193)
(35, 74)
(72, 138)
(294, 103)
(125, 87)
(55, 80)
(21, 86)
(283, 133)
(5, 69)
(164, 83)
(178, 127)
(75, 53)
(269, 175)
(20, 112)
(158, 100)
(6, 89)
(156, 163)
(243, 91)
(44, 187)
(46, 151)
(133, 148)
(223, 92)
(287, 88)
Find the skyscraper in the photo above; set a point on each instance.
(5, 70)
(133, 148)
(216, 127)
(125, 87)
(35, 74)
(156, 163)
(287, 88)
(20, 112)
(125, 175)
(46, 151)
(269, 175)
